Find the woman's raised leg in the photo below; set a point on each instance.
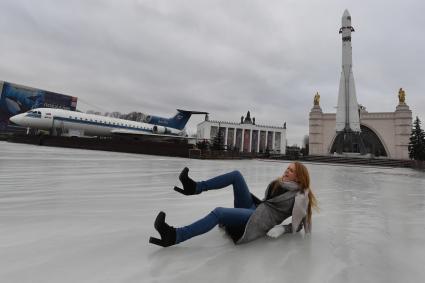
(242, 196)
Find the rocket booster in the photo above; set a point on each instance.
(347, 114)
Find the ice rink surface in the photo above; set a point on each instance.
(69, 215)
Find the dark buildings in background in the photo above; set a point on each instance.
(15, 99)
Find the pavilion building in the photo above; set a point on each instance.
(245, 136)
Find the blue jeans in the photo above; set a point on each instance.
(237, 216)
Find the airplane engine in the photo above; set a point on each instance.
(160, 130)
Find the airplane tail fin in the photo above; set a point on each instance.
(178, 121)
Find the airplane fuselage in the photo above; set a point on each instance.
(86, 124)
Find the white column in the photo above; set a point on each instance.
(250, 141)
(208, 131)
(258, 141)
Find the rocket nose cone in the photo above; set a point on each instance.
(346, 19)
(346, 14)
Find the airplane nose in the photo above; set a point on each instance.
(15, 119)
(12, 119)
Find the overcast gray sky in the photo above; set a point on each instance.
(223, 57)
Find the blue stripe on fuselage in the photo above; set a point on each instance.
(74, 120)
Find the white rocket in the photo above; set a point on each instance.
(347, 114)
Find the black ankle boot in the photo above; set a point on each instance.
(189, 186)
(167, 232)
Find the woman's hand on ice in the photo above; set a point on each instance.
(276, 231)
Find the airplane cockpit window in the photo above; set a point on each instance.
(33, 113)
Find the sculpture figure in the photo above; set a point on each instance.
(401, 96)
(317, 99)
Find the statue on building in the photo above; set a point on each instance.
(247, 119)
(206, 117)
(316, 99)
(284, 125)
(253, 120)
(401, 96)
(241, 119)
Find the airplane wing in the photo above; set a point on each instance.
(123, 132)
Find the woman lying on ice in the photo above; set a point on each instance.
(288, 195)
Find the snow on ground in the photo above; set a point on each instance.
(69, 215)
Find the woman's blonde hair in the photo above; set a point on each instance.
(303, 178)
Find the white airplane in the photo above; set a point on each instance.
(74, 123)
